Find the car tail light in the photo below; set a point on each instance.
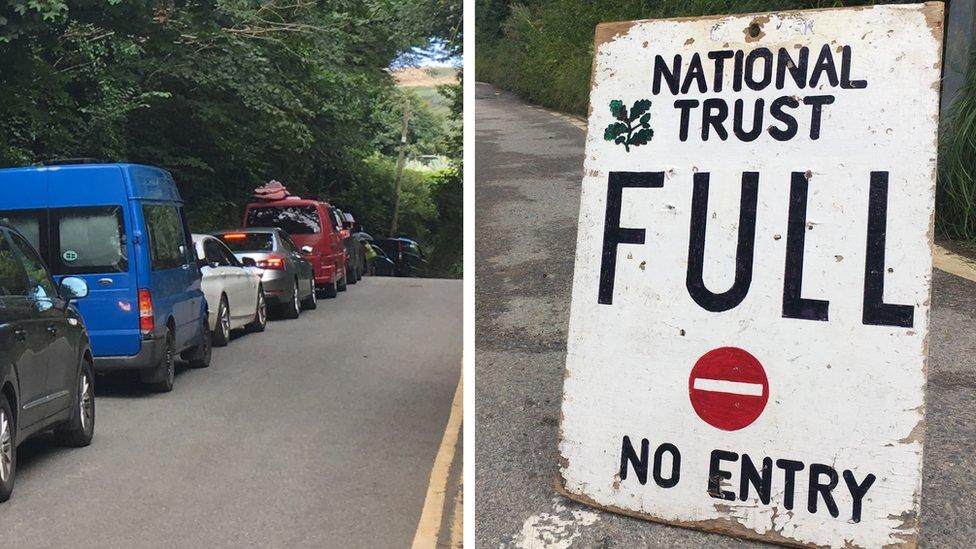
(146, 319)
(272, 262)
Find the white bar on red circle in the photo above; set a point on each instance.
(726, 386)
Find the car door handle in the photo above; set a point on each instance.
(21, 334)
(52, 329)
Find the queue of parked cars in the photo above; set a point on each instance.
(99, 272)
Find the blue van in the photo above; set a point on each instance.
(121, 227)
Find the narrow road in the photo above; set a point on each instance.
(529, 167)
(320, 432)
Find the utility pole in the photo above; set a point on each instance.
(401, 160)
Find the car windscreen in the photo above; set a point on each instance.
(248, 242)
(297, 219)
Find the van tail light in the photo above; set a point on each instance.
(146, 320)
(272, 262)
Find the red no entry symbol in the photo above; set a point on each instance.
(728, 388)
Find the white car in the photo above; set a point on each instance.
(232, 288)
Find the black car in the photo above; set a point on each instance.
(381, 265)
(46, 377)
(405, 253)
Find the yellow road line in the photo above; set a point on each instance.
(429, 525)
(944, 260)
(457, 528)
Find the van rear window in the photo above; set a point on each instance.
(89, 240)
(295, 219)
(248, 242)
(83, 240)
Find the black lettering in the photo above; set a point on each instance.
(719, 57)
(671, 76)
(845, 72)
(857, 492)
(876, 312)
(716, 474)
(696, 73)
(737, 71)
(685, 105)
(797, 70)
(716, 119)
(763, 482)
(794, 305)
(613, 233)
(767, 74)
(629, 455)
(816, 487)
(737, 120)
(816, 103)
(790, 469)
(824, 66)
(776, 110)
(675, 465)
(743, 253)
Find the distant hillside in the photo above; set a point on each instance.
(423, 82)
(415, 77)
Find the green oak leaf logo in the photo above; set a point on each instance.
(631, 129)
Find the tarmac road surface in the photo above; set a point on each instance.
(319, 432)
(529, 167)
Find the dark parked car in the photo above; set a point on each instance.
(405, 254)
(354, 246)
(286, 273)
(46, 376)
(381, 265)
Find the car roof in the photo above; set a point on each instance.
(258, 230)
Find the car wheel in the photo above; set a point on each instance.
(221, 335)
(260, 314)
(8, 449)
(353, 275)
(311, 301)
(331, 290)
(81, 427)
(342, 283)
(199, 355)
(161, 378)
(293, 307)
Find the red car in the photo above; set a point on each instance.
(313, 228)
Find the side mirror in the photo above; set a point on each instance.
(306, 249)
(248, 262)
(72, 287)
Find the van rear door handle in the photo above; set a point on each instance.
(105, 281)
(21, 334)
(52, 329)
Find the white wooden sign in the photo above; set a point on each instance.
(748, 335)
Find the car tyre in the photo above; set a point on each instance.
(293, 307)
(310, 302)
(353, 275)
(331, 290)
(342, 283)
(161, 378)
(8, 449)
(199, 356)
(221, 335)
(80, 428)
(260, 321)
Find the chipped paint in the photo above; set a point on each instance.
(628, 362)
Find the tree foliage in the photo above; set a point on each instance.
(226, 94)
